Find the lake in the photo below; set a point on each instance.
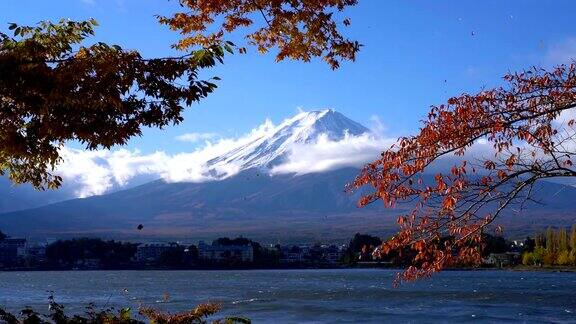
(310, 296)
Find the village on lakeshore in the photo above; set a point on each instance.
(551, 248)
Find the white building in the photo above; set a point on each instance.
(219, 252)
(151, 252)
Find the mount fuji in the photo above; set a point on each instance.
(244, 196)
(271, 146)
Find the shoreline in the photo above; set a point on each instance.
(516, 269)
(544, 269)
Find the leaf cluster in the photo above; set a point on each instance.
(526, 125)
(300, 29)
(54, 89)
(198, 315)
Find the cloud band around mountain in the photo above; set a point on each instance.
(98, 172)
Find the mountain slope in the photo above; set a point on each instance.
(253, 204)
(18, 197)
(245, 203)
(256, 204)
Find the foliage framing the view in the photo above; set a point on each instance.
(198, 315)
(54, 89)
(529, 125)
(300, 29)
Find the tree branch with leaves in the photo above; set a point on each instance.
(300, 29)
(529, 125)
(54, 89)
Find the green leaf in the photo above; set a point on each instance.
(228, 49)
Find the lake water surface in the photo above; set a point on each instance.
(310, 296)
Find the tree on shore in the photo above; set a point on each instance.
(559, 250)
(529, 126)
(573, 243)
(573, 237)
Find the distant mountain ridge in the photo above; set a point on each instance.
(253, 202)
(19, 197)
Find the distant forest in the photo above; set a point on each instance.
(553, 247)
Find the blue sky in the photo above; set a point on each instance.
(416, 53)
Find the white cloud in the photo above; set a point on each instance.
(326, 155)
(565, 117)
(85, 171)
(196, 137)
(377, 126)
(97, 172)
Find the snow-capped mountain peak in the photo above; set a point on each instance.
(269, 145)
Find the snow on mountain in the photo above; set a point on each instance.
(315, 141)
(271, 146)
